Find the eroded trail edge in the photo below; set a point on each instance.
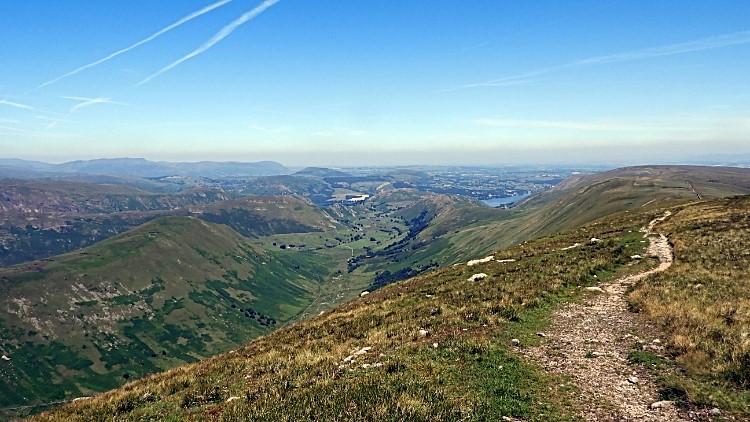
(590, 342)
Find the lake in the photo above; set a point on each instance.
(498, 202)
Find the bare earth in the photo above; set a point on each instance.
(590, 342)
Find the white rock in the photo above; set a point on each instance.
(635, 257)
(365, 293)
(595, 289)
(541, 334)
(6, 357)
(503, 261)
(424, 333)
(661, 404)
(515, 342)
(593, 240)
(478, 276)
(715, 411)
(357, 353)
(233, 398)
(434, 345)
(480, 261)
(633, 380)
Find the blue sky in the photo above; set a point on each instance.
(375, 82)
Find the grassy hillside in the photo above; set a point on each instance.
(583, 199)
(702, 304)
(43, 218)
(444, 229)
(174, 290)
(255, 216)
(435, 347)
(46, 218)
(400, 233)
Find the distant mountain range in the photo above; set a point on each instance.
(143, 168)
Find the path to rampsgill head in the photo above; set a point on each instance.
(590, 342)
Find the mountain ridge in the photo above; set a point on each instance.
(149, 169)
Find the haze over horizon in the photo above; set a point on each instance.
(374, 83)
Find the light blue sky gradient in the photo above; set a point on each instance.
(374, 82)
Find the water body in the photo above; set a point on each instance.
(499, 202)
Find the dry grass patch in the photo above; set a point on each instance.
(702, 303)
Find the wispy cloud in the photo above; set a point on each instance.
(87, 102)
(14, 129)
(266, 129)
(559, 124)
(141, 42)
(16, 105)
(687, 126)
(51, 122)
(223, 33)
(720, 41)
(339, 132)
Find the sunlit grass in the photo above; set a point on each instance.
(702, 303)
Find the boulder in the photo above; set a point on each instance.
(478, 276)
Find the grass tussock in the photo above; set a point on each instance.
(435, 347)
(702, 303)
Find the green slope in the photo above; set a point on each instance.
(475, 232)
(461, 369)
(174, 290)
(437, 347)
(43, 219)
(255, 216)
(444, 229)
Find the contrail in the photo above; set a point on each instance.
(141, 42)
(726, 40)
(85, 102)
(223, 33)
(14, 129)
(16, 105)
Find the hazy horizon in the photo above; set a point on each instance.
(386, 83)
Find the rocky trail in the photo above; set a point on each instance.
(590, 342)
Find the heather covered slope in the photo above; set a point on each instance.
(174, 290)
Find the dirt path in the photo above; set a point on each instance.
(590, 341)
